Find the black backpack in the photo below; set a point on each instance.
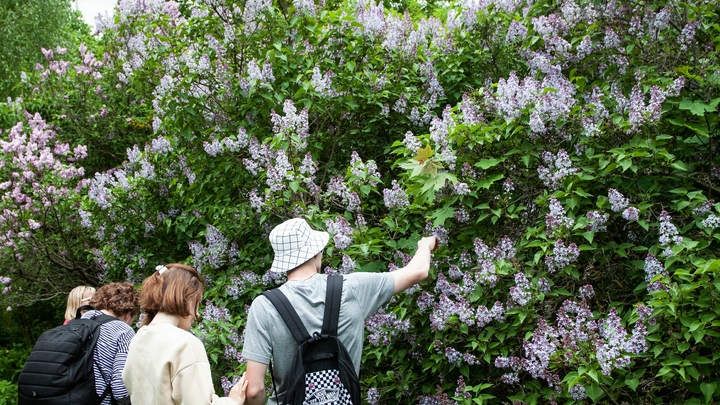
(322, 371)
(60, 367)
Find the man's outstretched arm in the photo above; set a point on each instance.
(418, 267)
(255, 376)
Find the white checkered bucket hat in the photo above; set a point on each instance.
(294, 243)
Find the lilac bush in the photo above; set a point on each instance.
(564, 154)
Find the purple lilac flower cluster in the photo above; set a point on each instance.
(214, 313)
(558, 167)
(712, 221)
(256, 75)
(484, 316)
(347, 266)
(238, 285)
(440, 399)
(382, 326)
(471, 114)
(577, 338)
(411, 142)
(557, 219)
(596, 221)
(513, 96)
(445, 307)
(520, 292)
(440, 130)
(292, 124)
(341, 231)
(687, 36)
(618, 202)
(614, 341)
(30, 155)
(451, 289)
(654, 268)
(5, 281)
(538, 351)
(373, 396)
(395, 197)
(364, 172)
(337, 188)
(577, 392)
(704, 208)
(668, 234)
(631, 214)
(460, 390)
(562, 256)
(212, 255)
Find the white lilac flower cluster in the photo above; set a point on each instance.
(668, 234)
(395, 196)
(577, 336)
(341, 231)
(556, 218)
(654, 269)
(562, 256)
(558, 167)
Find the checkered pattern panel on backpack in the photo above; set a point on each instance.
(325, 388)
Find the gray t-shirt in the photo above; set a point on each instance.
(267, 336)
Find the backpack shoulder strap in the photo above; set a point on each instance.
(101, 319)
(333, 297)
(288, 314)
(79, 312)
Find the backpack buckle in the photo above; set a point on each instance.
(315, 337)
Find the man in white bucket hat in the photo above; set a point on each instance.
(298, 252)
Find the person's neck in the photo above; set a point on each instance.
(109, 312)
(164, 317)
(302, 273)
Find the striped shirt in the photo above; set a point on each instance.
(110, 355)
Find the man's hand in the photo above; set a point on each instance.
(431, 242)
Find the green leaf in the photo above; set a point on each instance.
(698, 335)
(695, 325)
(663, 371)
(679, 165)
(625, 163)
(708, 389)
(441, 215)
(632, 383)
(696, 107)
(488, 163)
(589, 235)
(673, 361)
(594, 392)
(489, 181)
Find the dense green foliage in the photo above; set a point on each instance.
(564, 152)
(29, 26)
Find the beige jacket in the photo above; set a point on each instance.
(169, 366)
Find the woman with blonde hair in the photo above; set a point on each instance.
(166, 364)
(78, 297)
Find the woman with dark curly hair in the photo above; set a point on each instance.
(166, 364)
(121, 301)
